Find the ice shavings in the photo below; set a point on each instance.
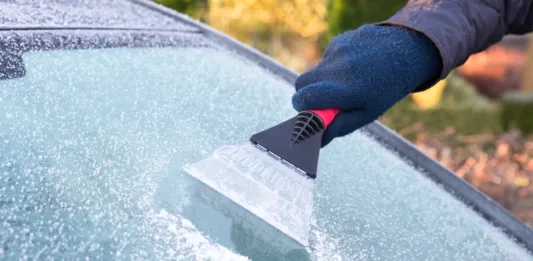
(194, 246)
(254, 189)
(325, 247)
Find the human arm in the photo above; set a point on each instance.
(366, 71)
(462, 28)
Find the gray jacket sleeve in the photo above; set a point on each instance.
(460, 28)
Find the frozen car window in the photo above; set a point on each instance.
(92, 144)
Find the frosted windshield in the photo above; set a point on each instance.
(92, 145)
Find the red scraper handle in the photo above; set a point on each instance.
(327, 115)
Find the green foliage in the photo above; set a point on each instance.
(461, 107)
(189, 7)
(350, 14)
(517, 111)
(466, 111)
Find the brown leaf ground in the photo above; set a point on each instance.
(500, 166)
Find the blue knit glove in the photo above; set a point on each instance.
(364, 73)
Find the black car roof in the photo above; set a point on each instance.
(147, 15)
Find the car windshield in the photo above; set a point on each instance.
(93, 141)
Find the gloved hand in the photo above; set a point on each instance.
(364, 73)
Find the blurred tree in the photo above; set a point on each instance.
(350, 14)
(304, 17)
(194, 8)
(284, 29)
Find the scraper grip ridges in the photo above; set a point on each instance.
(309, 123)
(298, 140)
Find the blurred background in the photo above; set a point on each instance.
(478, 122)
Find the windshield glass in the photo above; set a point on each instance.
(92, 145)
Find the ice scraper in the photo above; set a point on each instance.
(272, 174)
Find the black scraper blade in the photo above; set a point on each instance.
(297, 141)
